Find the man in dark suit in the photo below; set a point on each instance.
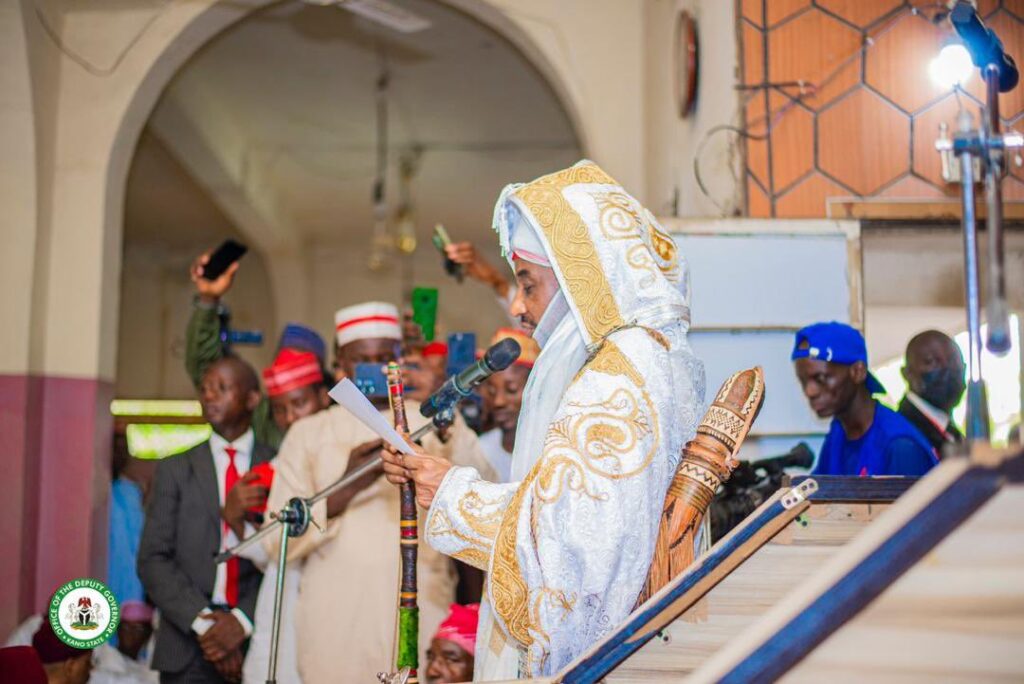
(197, 508)
(934, 371)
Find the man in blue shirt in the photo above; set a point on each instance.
(865, 438)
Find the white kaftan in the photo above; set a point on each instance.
(614, 396)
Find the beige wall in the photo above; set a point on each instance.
(17, 191)
(610, 61)
(156, 297)
(671, 141)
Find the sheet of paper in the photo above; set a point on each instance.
(348, 395)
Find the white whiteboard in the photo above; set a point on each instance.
(753, 284)
(785, 411)
(767, 280)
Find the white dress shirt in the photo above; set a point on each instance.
(494, 450)
(936, 415)
(243, 458)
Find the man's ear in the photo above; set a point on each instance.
(859, 372)
(903, 372)
(323, 397)
(252, 400)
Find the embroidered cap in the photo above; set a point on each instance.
(369, 320)
(291, 370)
(303, 338)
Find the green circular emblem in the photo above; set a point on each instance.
(84, 613)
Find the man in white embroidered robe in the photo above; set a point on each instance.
(615, 394)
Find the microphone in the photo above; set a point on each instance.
(497, 358)
(983, 44)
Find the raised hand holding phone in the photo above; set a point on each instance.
(213, 272)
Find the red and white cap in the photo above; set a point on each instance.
(367, 321)
(291, 369)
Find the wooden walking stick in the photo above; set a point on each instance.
(708, 461)
(408, 611)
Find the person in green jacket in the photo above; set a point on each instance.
(204, 343)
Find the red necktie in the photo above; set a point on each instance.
(230, 478)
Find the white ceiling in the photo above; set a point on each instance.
(274, 120)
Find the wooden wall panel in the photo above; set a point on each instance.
(840, 91)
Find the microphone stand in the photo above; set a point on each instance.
(987, 144)
(294, 519)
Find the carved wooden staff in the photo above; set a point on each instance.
(708, 461)
(408, 611)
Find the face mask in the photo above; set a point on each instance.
(942, 388)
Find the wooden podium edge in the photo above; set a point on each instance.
(862, 570)
(683, 592)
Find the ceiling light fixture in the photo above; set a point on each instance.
(384, 13)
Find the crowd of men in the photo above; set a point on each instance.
(283, 438)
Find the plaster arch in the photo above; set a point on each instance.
(182, 33)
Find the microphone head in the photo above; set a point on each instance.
(502, 354)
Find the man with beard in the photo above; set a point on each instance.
(503, 398)
(866, 438)
(934, 371)
(614, 395)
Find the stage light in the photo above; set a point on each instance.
(951, 67)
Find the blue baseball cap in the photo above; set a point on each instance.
(298, 336)
(837, 343)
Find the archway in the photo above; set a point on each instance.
(271, 123)
(88, 115)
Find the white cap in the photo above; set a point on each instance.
(366, 321)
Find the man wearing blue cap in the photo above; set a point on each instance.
(865, 438)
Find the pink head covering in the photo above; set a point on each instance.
(136, 611)
(460, 626)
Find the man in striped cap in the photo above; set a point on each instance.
(344, 617)
(295, 387)
(370, 332)
(503, 397)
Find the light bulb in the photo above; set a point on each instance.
(951, 67)
(406, 238)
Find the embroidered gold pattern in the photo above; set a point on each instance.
(663, 248)
(498, 639)
(592, 440)
(639, 257)
(617, 216)
(477, 551)
(473, 509)
(475, 557)
(611, 361)
(509, 593)
(572, 245)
